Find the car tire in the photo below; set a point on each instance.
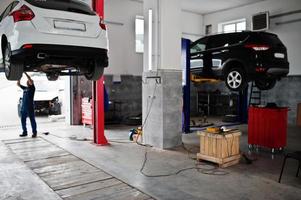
(52, 76)
(265, 84)
(13, 70)
(236, 79)
(96, 71)
(56, 109)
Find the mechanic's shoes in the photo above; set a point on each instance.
(23, 135)
(34, 135)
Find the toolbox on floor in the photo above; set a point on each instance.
(267, 127)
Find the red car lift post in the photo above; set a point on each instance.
(98, 94)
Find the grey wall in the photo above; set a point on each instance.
(129, 92)
(287, 92)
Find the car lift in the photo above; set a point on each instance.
(98, 94)
(187, 77)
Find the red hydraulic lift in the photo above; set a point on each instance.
(98, 94)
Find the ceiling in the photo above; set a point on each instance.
(210, 6)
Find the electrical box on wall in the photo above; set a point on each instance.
(261, 21)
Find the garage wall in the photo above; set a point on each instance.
(120, 16)
(288, 33)
(192, 25)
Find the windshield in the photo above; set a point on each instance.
(63, 5)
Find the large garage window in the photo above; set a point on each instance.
(233, 26)
(139, 31)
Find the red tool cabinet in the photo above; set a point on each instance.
(267, 127)
(86, 111)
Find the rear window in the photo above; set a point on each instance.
(63, 5)
(266, 38)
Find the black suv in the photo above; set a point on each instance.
(239, 58)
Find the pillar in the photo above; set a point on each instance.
(162, 76)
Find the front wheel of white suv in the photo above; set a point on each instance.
(96, 71)
(13, 70)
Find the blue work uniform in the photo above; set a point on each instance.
(27, 108)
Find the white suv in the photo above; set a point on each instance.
(58, 37)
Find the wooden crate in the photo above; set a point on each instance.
(220, 149)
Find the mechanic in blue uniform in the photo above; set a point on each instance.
(27, 106)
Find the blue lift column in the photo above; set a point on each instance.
(186, 85)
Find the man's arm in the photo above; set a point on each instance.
(19, 84)
(29, 78)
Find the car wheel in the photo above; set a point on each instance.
(96, 71)
(52, 76)
(13, 70)
(56, 109)
(265, 84)
(236, 79)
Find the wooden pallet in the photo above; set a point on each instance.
(67, 175)
(222, 162)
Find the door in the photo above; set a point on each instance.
(197, 55)
(218, 52)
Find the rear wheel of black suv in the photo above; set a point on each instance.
(236, 79)
(265, 84)
(13, 70)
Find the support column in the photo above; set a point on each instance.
(98, 94)
(162, 77)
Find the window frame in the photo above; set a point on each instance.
(222, 25)
(139, 17)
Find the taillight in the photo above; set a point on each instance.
(258, 47)
(102, 24)
(27, 46)
(23, 14)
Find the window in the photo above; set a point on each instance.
(198, 46)
(233, 26)
(63, 5)
(217, 41)
(139, 31)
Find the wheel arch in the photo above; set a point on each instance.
(233, 63)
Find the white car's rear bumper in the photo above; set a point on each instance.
(25, 33)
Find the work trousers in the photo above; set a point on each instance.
(31, 115)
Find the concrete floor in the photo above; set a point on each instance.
(124, 160)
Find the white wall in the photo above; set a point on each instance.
(290, 34)
(123, 57)
(192, 25)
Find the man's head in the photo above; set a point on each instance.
(29, 83)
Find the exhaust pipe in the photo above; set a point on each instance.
(41, 56)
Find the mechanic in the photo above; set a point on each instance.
(27, 106)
